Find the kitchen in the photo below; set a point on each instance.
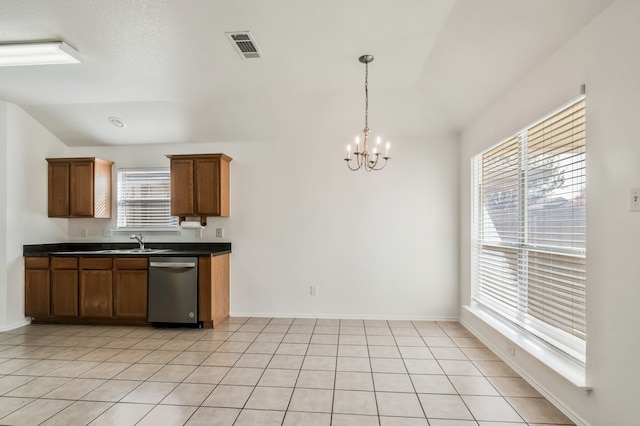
(383, 245)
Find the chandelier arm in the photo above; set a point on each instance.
(383, 164)
(361, 160)
(349, 164)
(369, 163)
(372, 165)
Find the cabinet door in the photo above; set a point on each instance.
(182, 187)
(207, 184)
(131, 294)
(64, 292)
(59, 189)
(81, 184)
(96, 293)
(37, 296)
(102, 188)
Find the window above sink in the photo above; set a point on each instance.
(144, 200)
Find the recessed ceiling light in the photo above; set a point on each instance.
(117, 122)
(38, 53)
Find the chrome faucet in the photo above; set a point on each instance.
(139, 238)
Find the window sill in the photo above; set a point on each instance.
(559, 363)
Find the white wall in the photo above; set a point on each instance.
(24, 145)
(3, 212)
(380, 244)
(377, 245)
(604, 56)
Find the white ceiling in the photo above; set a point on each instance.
(167, 69)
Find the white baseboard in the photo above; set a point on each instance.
(15, 325)
(342, 316)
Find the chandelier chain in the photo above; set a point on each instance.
(366, 95)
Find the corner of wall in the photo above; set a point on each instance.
(25, 144)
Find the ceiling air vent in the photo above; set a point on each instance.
(244, 44)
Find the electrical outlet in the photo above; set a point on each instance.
(313, 291)
(84, 232)
(107, 232)
(199, 233)
(219, 233)
(634, 200)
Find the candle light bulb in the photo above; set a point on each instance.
(388, 146)
(348, 152)
(357, 143)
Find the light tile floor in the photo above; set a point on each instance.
(263, 371)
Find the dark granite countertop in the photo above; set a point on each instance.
(102, 249)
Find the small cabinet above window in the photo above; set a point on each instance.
(79, 187)
(199, 185)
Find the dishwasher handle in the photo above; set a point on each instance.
(172, 265)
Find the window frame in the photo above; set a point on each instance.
(568, 344)
(170, 222)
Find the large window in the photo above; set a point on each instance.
(144, 199)
(529, 226)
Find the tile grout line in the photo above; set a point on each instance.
(30, 341)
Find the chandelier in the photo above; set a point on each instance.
(369, 160)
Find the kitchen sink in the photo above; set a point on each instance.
(132, 251)
(115, 251)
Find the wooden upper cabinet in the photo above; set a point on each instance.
(208, 197)
(59, 190)
(81, 183)
(182, 187)
(199, 185)
(79, 187)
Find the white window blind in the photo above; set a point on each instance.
(144, 199)
(529, 229)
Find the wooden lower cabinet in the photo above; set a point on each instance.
(64, 293)
(96, 287)
(213, 289)
(97, 290)
(96, 294)
(86, 290)
(64, 286)
(37, 295)
(130, 288)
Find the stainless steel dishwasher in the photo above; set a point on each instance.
(173, 290)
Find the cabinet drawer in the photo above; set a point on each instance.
(96, 263)
(64, 263)
(131, 262)
(36, 263)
